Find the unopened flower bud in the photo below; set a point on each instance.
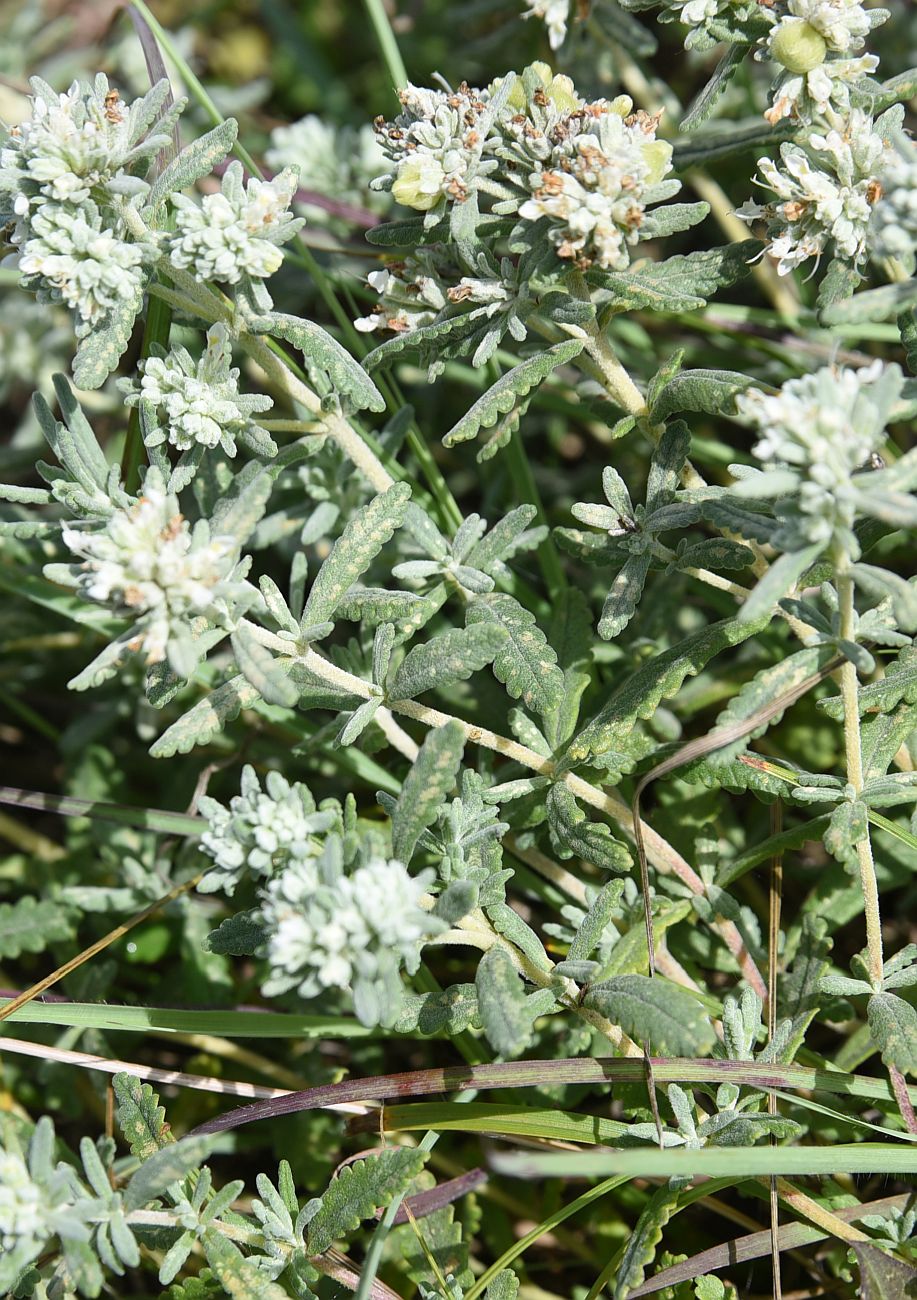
(798, 46)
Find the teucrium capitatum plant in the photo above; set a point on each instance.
(441, 679)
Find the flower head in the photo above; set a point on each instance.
(237, 232)
(328, 930)
(825, 427)
(893, 232)
(69, 256)
(596, 183)
(262, 831)
(842, 25)
(147, 563)
(75, 145)
(825, 201)
(199, 403)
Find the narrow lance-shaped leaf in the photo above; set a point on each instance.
(358, 1191)
(511, 388)
(452, 656)
(207, 718)
(426, 786)
(354, 551)
(262, 671)
(324, 357)
(524, 662)
(658, 679)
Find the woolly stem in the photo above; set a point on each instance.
(854, 759)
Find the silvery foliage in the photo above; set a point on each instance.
(196, 405)
(43, 1200)
(526, 208)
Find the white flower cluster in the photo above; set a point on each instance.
(554, 15)
(73, 145)
(199, 403)
(583, 173)
(69, 256)
(262, 831)
(827, 183)
(147, 563)
(828, 199)
(411, 293)
(334, 913)
(236, 233)
(595, 185)
(335, 162)
(436, 146)
(354, 932)
(894, 218)
(709, 20)
(66, 176)
(825, 427)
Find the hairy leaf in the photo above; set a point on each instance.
(680, 283)
(30, 924)
(524, 662)
(206, 719)
(510, 389)
(426, 786)
(654, 1011)
(358, 1191)
(324, 357)
(451, 656)
(657, 680)
(354, 551)
(502, 1003)
(140, 1117)
(893, 1025)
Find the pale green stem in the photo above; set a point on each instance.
(854, 757)
(387, 43)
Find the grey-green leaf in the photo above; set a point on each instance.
(510, 389)
(658, 679)
(502, 1004)
(324, 358)
(261, 670)
(451, 656)
(141, 1118)
(654, 1011)
(358, 1191)
(206, 719)
(893, 1025)
(354, 551)
(426, 786)
(524, 662)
